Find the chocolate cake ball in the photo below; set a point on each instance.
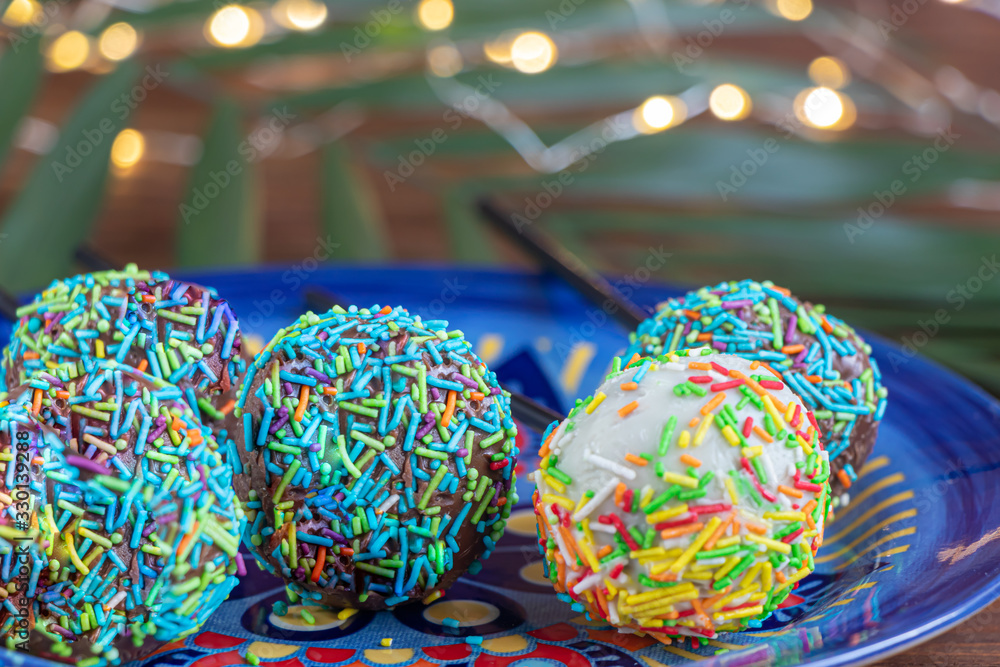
(684, 498)
(819, 356)
(131, 522)
(377, 457)
(173, 330)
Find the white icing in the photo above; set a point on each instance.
(591, 449)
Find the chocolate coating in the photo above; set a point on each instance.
(130, 510)
(833, 371)
(176, 331)
(392, 464)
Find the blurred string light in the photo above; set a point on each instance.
(533, 52)
(563, 154)
(729, 102)
(794, 10)
(829, 72)
(444, 60)
(301, 15)
(498, 50)
(529, 52)
(21, 12)
(235, 26)
(435, 14)
(127, 149)
(68, 51)
(659, 113)
(825, 109)
(118, 41)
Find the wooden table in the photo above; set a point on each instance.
(973, 643)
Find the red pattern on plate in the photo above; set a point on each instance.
(330, 655)
(214, 640)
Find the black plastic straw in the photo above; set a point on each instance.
(558, 259)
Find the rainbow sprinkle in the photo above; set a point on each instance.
(377, 459)
(176, 331)
(820, 357)
(132, 521)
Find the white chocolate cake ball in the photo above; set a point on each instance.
(687, 496)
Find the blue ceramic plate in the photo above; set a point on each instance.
(917, 551)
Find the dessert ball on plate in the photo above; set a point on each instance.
(684, 497)
(173, 330)
(377, 457)
(129, 511)
(820, 357)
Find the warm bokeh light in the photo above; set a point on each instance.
(118, 41)
(658, 113)
(444, 60)
(303, 15)
(235, 26)
(21, 12)
(498, 50)
(533, 52)
(825, 108)
(729, 102)
(128, 148)
(829, 72)
(794, 10)
(68, 51)
(820, 107)
(435, 14)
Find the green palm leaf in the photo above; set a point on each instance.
(219, 217)
(56, 209)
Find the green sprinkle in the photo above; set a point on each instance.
(559, 474)
(431, 454)
(289, 474)
(432, 486)
(668, 433)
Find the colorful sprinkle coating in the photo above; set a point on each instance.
(688, 502)
(132, 524)
(176, 331)
(377, 457)
(820, 357)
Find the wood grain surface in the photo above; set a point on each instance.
(973, 643)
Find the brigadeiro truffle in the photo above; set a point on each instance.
(131, 522)
(820, 357)
(177, 331)
(684, 498)
(378, 457)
